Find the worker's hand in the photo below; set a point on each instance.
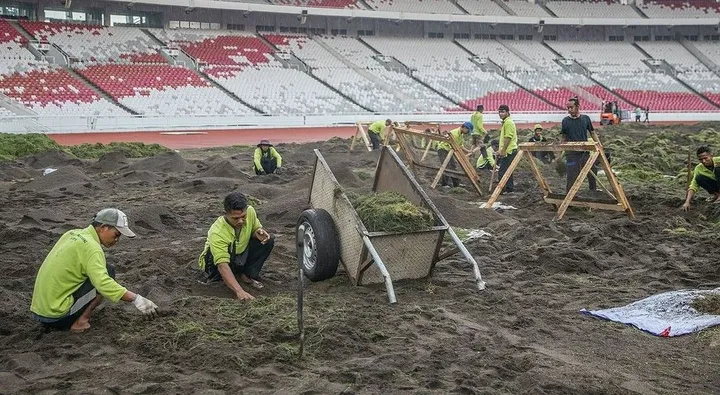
(262, 235)
(242, 295)
(146, 306)
(501, 154)
(685, 207)
(278, 170)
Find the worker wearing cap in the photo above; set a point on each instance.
(443, 149)
(508, 146)
(74, 277)
(266, 159)
(236, 244)
(478, 132)
(376, 132)
(537, 137)
(486, 160)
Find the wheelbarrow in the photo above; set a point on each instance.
(331, 232)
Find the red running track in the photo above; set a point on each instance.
(224, 138)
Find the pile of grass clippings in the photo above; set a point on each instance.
(131, 150)
(391, 212)
(13, 146)
(707, 304)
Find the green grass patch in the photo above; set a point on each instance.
(390, 212)
(14, 146)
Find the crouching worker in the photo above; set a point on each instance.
(486, 160)
(266, 159)
(376, 132)
(74, 277)
(705, 176)
(236, 245)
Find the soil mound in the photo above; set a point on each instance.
(223, 169)
(112, 161)
(150, 219)
(14, 171)
(138, 176)
(209, 185)
(52, 159)
(167, 162)
(68, 178)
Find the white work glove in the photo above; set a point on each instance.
(146, 306)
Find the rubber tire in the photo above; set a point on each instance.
(326, 244)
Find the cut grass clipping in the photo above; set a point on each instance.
(390, 212)
(707, 304)
(18, 145)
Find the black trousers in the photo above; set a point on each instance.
(504, 164)
(575, 162)
(544, 156)
(452, 165)
(268, 164)
(375, 140)
(708, 184)
(250, 262)
(82, 298)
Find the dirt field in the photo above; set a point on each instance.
(523, 335)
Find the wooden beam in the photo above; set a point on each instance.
(576, 185)
(575, 203)
(498, 189)
(440, 172)
(538, 176)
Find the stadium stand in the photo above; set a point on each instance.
(353, 4)
(626, 74)
(466, 83)
(161, 89)
(689, 69)
(526, 8)
(92, 43)
(591, 9)
(680, 9)
(426, 6)
(359, 54)
(245, 65)
(482, 7)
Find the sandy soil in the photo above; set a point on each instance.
(523, 335)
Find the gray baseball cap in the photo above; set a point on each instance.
(115, 218)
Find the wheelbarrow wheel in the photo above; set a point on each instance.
(318, 245)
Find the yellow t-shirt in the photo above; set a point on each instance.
(221, 236)
(508, 130)
(76, 257)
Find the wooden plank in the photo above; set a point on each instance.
(427, 149)
(575, 203)
(498, 189)
(447, 171)
(558, 196)
(442, 169)
(465, 164)
(576, 186)
(538, 176)
(612, 178)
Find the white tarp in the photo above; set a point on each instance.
(667, 314)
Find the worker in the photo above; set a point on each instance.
(575, 127)
(706, 176)
(236, 244)
(443, 149)
(74, 277)
(478, 133)
(638, 114)
(537, 137)
(376, 132)
(486, 159)
(266, 159)
(508, 146)
(647, 115)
